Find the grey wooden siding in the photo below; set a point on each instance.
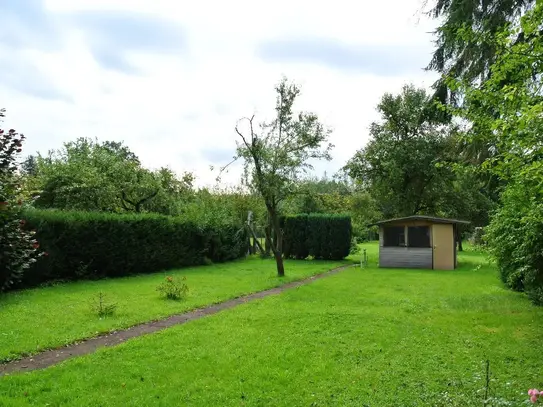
(410, 257)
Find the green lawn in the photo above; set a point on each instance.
(41, 318)
(364, 337)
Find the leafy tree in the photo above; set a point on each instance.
(18, 248)
(461, 56)
(510, 104)
(400, 166)
(277, 153)
(315, 195)
(89, 175)
(30, 165)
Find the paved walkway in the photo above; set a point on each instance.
(52, 357)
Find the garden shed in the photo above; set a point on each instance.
(418, 242)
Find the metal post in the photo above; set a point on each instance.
(364, 259)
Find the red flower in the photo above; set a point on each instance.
(36, 245)
(22, 222)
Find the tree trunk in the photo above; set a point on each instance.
(278, 244)
(276, 241)
(280, 265)
(458, 235)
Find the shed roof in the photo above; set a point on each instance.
(431, 219)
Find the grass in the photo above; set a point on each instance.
(42, 318)
(364, 337)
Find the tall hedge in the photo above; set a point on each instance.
(323, 236)
(96, 244)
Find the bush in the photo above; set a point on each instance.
(18, 248)
(98, 244)
(322, 236)
(295, 236)
(173, 289)
(515, 238)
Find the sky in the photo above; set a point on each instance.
(171, 78)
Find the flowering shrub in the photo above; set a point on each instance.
(18, 248)
(534, 394)
(173, 289)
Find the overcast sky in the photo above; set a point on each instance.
(170, 78)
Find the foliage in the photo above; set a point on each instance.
(405, 338)
(296, 234)
(515, 238)
(335, 196)
(400, 165)
(509, 105)
(232, 204)
(110, 245)
(276, 155)
(463, 57)
(102, 307)
(107, 176)
(322, 236)
(18, 247)
(477, 237)
(173, 289)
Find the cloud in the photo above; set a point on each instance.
(27, 24)
(23, 75)
(172, 81)
(376, 59)
(112, 36)
(218, 156)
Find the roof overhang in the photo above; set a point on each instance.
(414, 218)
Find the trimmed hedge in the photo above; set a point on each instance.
(84, 245)
(322, 236)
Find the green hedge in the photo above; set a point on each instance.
(322, 236)
(95, 244)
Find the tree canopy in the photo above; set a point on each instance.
(104, 176)
(509, 104)
(400, 165)
(456, 54)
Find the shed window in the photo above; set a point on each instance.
(418, 236)
(394, 236)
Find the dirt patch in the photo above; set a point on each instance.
(52, 357)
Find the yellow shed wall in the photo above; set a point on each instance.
(443, 246)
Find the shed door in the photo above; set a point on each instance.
(443, 246)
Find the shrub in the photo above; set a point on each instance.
(295, 235)
(18, 248)
(98, 244)
(515, 238)
(173, 289)
(322, 236)
(102, 307)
